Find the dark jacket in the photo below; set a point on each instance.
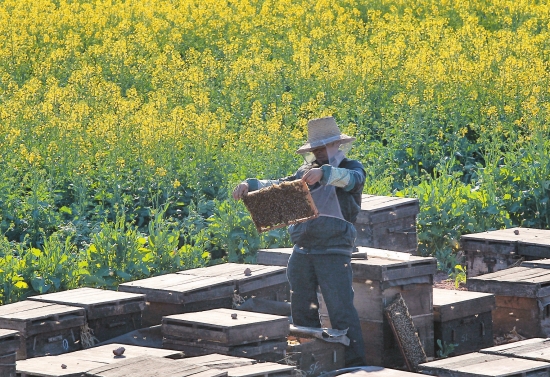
(327, 235)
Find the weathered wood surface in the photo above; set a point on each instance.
(385, 265)
(537, 263)
(515, 281)
(371, 371)
(261, 369)
(269, 350)
(274, 257)
(154, 367)
(220, 361)
(380, 209)
(181, 288)
(315, 356)
(247, 277)
(481, 365)
(469, 333)
(531, 349)
(452, 304)
(9, 344)
(526, 315)
(79, 362)
(217, 325)
(98, 303)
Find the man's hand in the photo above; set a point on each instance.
(313, 176)
(240, 191)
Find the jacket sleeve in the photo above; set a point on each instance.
(256, 184)
(350, 177)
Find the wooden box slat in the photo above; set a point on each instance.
(154, 367)
(261, 369)
(217, 325)
(531, 349)
(515, 281)
(9, 344)
(453, 304)
(97, 302)
(315, 356)
(537, 263)
(220, 361)
(274, 257)
(80, 362)
(481, 365)
(371, 371)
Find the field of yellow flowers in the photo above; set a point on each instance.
(123, 124)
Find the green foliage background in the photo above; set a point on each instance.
(124, 125)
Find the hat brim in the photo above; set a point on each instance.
(308, 147)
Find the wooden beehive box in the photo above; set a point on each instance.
(522, 297)
(251, 280)
(389, 223)
(78, 363)
(226, 331)
(154, 366)
(376, 282)
(537, 263)
(177, 293)
(280, 205)
(463, 318)
(44, 328)
(274, 257)
(108, 313)
(9, 344)
(484, 365)
(496, 250)
(314, 356)
(266, 369)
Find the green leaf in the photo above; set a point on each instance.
(66, 209)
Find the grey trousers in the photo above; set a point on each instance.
(332, 272)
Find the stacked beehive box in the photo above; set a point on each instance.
(175, 293)
(463, 319)
(493, 251)
(251, 280)
(44, 328)
(389, 223)
(108, 313)
(376, 282)
(228, 332)
(522, 297)
(9, 344)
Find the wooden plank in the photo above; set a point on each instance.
(515, 281)
(98, 303)
(385, 269)
(80, 362)
(537, 263)
(468, 334)
(452, 304)
(260, 369)
(269, 350)
(372, 371)
(315, 356)
(218, 325)
(181, 288)
(481, 365)
(531, 349)
(153, 367)
(219, 361)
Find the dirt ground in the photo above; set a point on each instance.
(442, 281)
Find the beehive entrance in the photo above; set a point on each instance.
(280, 205)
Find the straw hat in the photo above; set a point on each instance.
(323, 131)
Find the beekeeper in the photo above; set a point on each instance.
(323, 246)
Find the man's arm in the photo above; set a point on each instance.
(349, 176)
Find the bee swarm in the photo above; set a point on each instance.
(280, 205)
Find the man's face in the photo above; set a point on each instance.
(320, 154)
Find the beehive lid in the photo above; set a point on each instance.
(181, 289)
(280, 205)
(274, 257)
(538, 263)
(80, 362)
(381, 209)
(515, 281)
(451, 304)
(482, 365)
(219, 361)
(247, 277)
(532, 349)
(260, 369)
(219, 326)
(98, 303)
(32, 317)
(154, 367)
(385, 265)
